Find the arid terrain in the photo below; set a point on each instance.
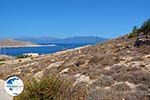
(15, 43)
(118, 69)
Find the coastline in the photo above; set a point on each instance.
(47, 54)
(66, 51)
(27, 46)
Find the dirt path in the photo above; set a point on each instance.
(3, 94)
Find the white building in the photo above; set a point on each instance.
(31, 54)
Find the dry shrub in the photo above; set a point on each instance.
(103, 81)
(136, 77)
(2, 59)
(51, 88)
(121, 87)
(109, 94)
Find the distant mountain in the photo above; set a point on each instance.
(39, 40)
(69, 40)
(15, 43)
(81, 40)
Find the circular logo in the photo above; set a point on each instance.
(14, 86)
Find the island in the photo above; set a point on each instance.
(16, 43)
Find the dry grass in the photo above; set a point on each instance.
(52, 88)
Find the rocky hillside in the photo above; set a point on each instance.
(118, 69)
(14, 43)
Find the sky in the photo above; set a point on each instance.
(67, 18)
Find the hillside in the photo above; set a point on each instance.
(118, 69)
(14, 43)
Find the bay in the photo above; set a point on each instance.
(44, 49)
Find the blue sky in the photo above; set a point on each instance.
(65, 18)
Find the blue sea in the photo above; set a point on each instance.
(44, 49)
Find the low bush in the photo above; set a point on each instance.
(2, 59)
(103, 81)
(1, 63)
(22, 56)
(49, 88)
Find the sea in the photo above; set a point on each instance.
(44, 49)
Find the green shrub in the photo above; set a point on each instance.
(145, 28)
(133, 34)
(23, 56)
(49, 88)
(1, 63)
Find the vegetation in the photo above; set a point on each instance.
(2, 59)
(145, 28)
(1, 63)
(23, 56)
(50, 88)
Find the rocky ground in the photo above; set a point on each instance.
(114, 70)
